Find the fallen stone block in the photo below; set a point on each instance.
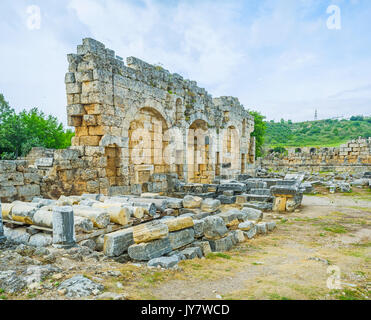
(181, 238)
(118, 214)
(229, 216)
(192, 202)
(204, 246)
(83, 224)
(271, 225)
(164, 262)
(179, 223)
(198, 227)
(246, 226)
(253, 214)
(18, 235)
(223, 244)
(251, 233)
(40, 239)
(23, 212)
(192, 252)
(226, 199)
(99, 217)
(174, 203)
(150, 231)
(261, 228)
(214, 228)
(150, 250)
(238, 235)
(118, 242)
(210, 205)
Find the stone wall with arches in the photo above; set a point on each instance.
(147, 124)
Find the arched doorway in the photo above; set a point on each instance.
(147, 143)
(198, 153)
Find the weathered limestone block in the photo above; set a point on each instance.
(161, 204)
(2, 237)
(43, 218)
(192, 202)
(210, 205)
(229, 216)
(23, 212)
(246, 226)
(118, 242)
(83, 224)
(18, 235)
(118, 214)
(137, 212)
(181, 238)
(150, 231)
(251, 233)
(179, 223)
(199, 228)
(99, 217)
(174, 203)
(223, 244)
(28, 191)
(40, 239)
(149, 208)
(214, 228)
(271, 225)
(150, 250)
(192, 252)
(261, 228)
(204, 246)
(253, 214)
(238, 236)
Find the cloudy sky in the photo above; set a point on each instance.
(277, 56)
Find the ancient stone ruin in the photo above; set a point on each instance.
(353, 156)
(158, 170)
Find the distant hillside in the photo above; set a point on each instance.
(328, 132)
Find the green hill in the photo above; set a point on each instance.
(319, 133)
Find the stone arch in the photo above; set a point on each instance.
(231, 147)
(199, 168)
(312, 150)
(147, 142)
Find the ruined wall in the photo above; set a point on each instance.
(137, 120)
(353, 156)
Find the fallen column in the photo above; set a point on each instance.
(63, 227)
(118, 214)
(99, 217)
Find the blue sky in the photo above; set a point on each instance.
(276, 56)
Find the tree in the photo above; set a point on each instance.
(20, 132)
(259, 132)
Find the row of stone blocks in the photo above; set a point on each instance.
(165, 242)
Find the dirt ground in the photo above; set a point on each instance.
(330, 232)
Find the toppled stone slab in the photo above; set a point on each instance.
(164, 262)
(253, 214)
(179, 223)
(246, 226)
(150, 231)
(181, 238)
(210, 205)
(150, 250)
(80, 286)
(261, 228)
(251, 233)
(118, 242)
(214, 228)
(40, 240)
(238, 236)
(198, 228)
(223, 244)
(192, 252)
(271, 225)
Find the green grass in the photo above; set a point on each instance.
(214, 255)
(275, 296)
(321, 133)
(336, 229)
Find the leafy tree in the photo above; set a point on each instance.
(20, 132)
(259, 132)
